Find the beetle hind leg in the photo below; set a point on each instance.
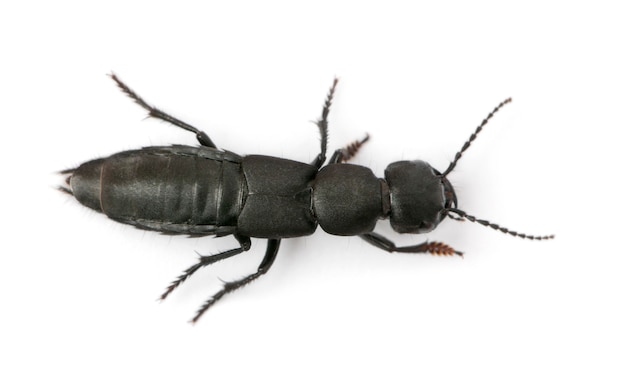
(266, 263)
(322, 124)
(205, 261)
(155, 112)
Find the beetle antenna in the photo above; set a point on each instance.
(473, 137)
(464, 216)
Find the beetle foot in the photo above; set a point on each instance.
(441, 249)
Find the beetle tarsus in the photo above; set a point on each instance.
(268, 260)
(322, 124)
(441, 249)
(350, 150)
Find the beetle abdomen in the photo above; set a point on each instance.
(176, 189)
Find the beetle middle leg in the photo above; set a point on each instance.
(383, 243)
(202, 137)
(322, 124)
(268, 260)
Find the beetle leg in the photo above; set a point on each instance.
(345, 154)
(155, 112)
(205, 261)
(383, 243)
(322, 124)
(270, 256)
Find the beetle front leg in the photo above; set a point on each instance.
(345, 154)
(202, 137)
(268, 260)
(383, 243)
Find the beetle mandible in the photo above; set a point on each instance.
(204, 190)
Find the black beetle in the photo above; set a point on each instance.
(203, 190)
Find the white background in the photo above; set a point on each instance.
(79, 291)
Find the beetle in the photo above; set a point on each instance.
(203, 190)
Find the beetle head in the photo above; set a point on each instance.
(420, 196)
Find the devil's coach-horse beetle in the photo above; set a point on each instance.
(199, 191)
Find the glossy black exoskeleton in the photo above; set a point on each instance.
(204, 190)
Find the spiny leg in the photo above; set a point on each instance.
(205, 261)
(345, 154)
(202, 137)
(322, 124)
(270, 256)
(383, 243)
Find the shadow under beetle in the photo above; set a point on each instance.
(204, 190)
